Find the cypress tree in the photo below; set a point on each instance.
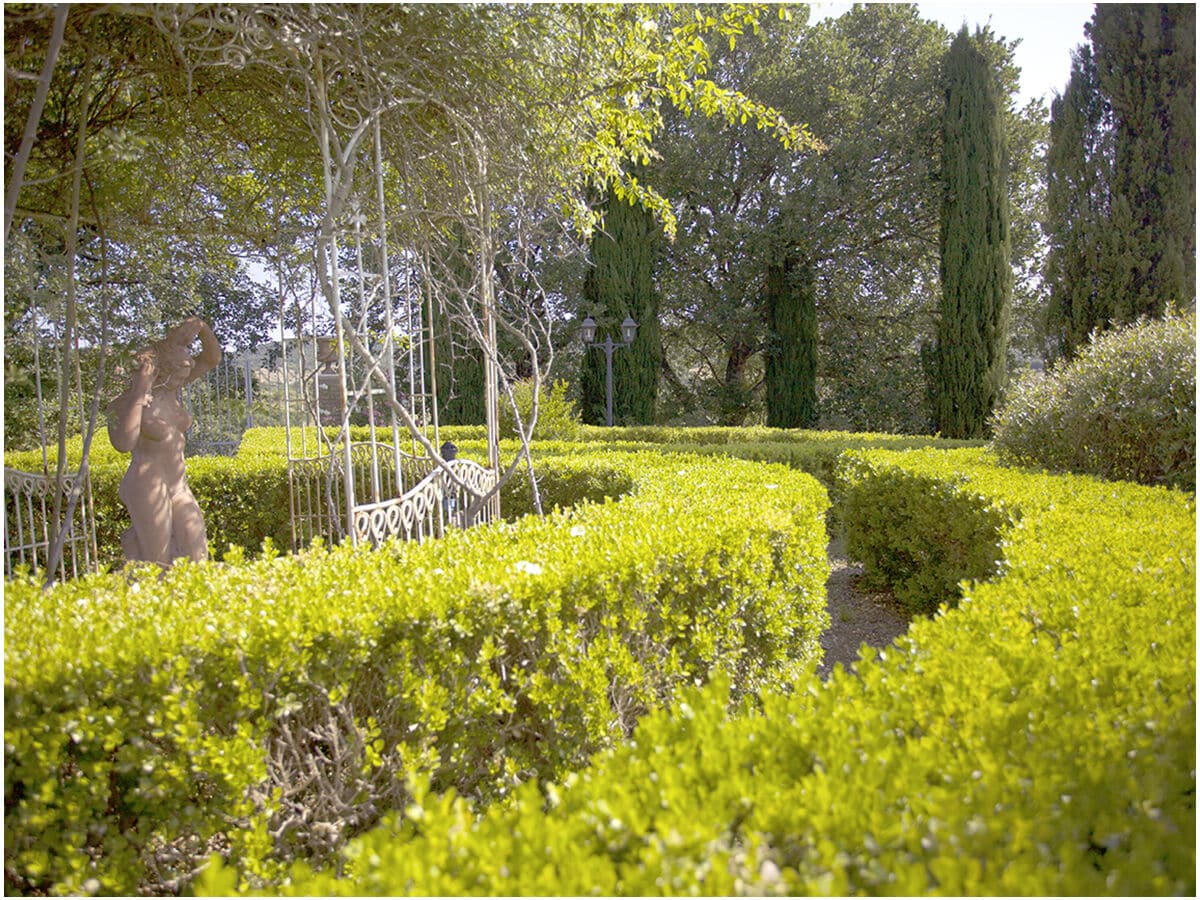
(790, 301)
(620, 283)
(1146, 67)
(460, 380)
(1077, 201)
(458, 361)
(972, 333)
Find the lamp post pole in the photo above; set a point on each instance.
(608, 346)
(587, 331)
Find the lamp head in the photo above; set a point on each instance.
(628, 330)
(587, 330)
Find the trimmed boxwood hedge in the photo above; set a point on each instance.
(917, 534)
(277, 707)
(1039, 738)
(245, 497)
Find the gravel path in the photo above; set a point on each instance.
(857, 617)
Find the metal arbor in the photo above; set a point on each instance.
(371, 470)
(354, 479)
(357, 467)
(44, 507)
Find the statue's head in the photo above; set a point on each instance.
(174, 363)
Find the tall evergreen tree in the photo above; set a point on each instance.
(968, 360)
(790, 303)
(457, 358)
(1146, 68)
(620, 283)
(1077, 200)
(460, 377)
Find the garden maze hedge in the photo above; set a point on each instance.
(1036, 736)
(275, 707)
(621, 698)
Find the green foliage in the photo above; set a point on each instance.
(1077, 187)
(814, 452)
(861, 210)
(148, 716)
(968, 359)
(864, 210)
(620, 283)
(245, 499)
(1037, 739)
(557, 419)
(1122, 173)
(1146, 69)
(918, 535)
(457, 363)
(1125, 408)
(790, 299)
(564, 482)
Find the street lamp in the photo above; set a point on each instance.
(587, 331)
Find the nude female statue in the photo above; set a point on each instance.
(149, 421)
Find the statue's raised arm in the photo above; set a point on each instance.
(183, 334)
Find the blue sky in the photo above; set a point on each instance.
(1048, 33)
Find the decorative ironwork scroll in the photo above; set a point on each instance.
(479, 482)
(416, 515)
(428, 508)
(28, 523)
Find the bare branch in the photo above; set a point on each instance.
(35, 115)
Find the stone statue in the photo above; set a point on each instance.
(149, 421)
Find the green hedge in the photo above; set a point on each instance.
(244, 498)
(919, 534)
(715, 434)
(102, 453)
(277, 707)
(1038, 739)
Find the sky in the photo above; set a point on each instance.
(1048, 33)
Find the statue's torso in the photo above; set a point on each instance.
(159, 449)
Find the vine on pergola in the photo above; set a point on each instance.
(450, 125)
(476, 110)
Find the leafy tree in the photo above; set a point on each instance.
(862, 212)
(968, 359)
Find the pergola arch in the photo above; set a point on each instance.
(343, 100)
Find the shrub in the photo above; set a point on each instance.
(564, 481)
(558, 419)
(278, 706)
(1039, 739)
(1125, 408)
(919, 534)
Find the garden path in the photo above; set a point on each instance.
(856, 616)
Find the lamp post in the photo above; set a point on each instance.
(587, 331)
